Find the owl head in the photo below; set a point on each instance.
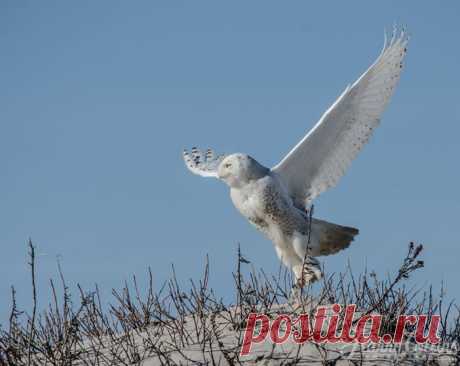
(238, 170)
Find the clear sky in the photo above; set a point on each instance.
(98, 99)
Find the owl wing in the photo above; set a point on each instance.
(203, 163)
(321, 158)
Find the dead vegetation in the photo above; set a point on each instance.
(175, 325)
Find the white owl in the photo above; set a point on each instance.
(277, 200)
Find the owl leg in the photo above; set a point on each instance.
(305, 274)
(308, 272)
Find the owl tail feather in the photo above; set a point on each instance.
(332, 237)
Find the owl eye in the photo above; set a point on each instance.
(227, 165)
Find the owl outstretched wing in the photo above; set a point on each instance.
(321, 158)
(203, 163)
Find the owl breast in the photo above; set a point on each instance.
(249, 202)
(266, 206)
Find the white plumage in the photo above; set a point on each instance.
(277, 200)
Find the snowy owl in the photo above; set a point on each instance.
(277, 201)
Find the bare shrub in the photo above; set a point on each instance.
(176, 325)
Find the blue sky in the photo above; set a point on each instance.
(98, 99)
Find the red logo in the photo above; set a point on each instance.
(323, 328)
